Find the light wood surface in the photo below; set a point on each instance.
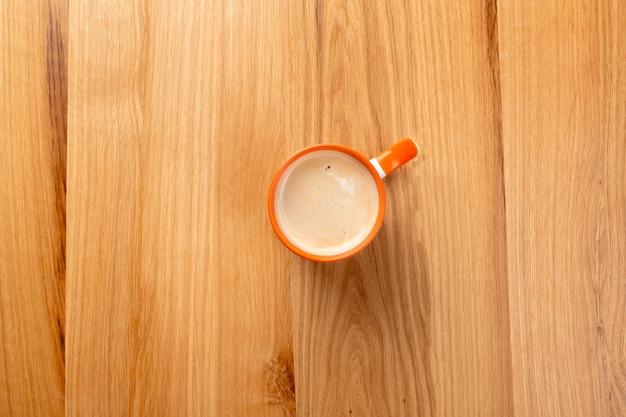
(564, 124)
(418, 323)
(496, 287)
(33, 104)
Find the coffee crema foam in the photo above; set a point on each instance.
(326, 202)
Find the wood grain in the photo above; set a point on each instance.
(33, 93)
(563, 89)
(497, 285)
(176, 299)
(418, 323)
(182, 304)
(105, 124)
(611, 254)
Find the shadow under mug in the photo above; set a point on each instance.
(378, 167)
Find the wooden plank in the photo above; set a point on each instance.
(611, 252)
(417, 324)
(105, 297)
(177, 298)
(33, 93)
(216, 111)
(105, 125)
(563, 89)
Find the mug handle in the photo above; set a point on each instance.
(394, 157)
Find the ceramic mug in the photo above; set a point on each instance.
(327, 202)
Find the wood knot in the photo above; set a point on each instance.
(280, 382)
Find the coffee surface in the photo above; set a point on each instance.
(326, 202)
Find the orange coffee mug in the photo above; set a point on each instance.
(327, 202)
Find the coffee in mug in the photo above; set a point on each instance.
(327, 202)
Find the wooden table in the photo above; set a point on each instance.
(139, 274)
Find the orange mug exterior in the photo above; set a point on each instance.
(381, 203)
(396, 155)
(379, 167)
